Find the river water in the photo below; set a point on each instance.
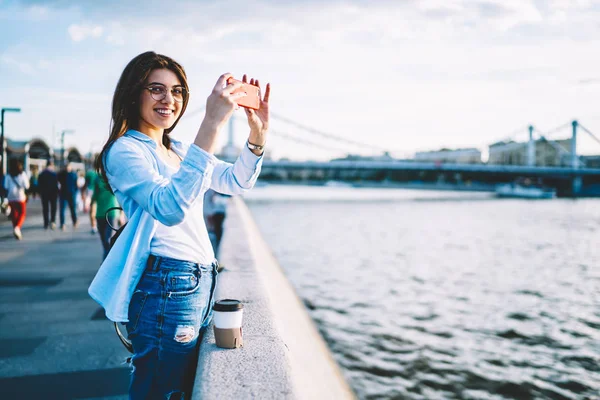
(444, 295)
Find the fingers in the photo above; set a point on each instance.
(256, 82)
(267, 93)
(222, 81)
(232, 87)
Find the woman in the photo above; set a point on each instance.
(16, 183)
(160, 274)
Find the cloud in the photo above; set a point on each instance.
(346, 66)
(39, 13)
(22, 66)
(589, 81)
(79, 33)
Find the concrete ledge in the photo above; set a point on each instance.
(283, 355)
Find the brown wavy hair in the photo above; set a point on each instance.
(125, 104)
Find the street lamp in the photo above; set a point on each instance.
(62, 144)
(2, 149)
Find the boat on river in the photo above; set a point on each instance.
(516, 190)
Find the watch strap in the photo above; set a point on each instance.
(253, 146)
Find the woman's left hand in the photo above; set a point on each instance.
(258, 120)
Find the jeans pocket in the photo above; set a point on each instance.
(136, 306)
(182, 283)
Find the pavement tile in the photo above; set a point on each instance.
(55, 342)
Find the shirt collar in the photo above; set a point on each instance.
(145, 138)
(140, 136)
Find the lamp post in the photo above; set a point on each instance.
(2, 149)
(62, 145)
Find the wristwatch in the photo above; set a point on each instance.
(254, 146)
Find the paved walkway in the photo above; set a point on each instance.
(55, 342)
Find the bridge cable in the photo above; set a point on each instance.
(509, 137)
(589, 133)
(326, 135)
(297, 139)
(554, 130)
(305, 141)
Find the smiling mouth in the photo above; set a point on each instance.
(164, 112)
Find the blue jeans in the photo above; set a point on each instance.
(71, 201)
(169, 310)
(106, 232)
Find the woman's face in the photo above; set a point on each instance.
(156, 113)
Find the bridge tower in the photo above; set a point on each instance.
(577, 180)
(531, 148)
(230, 151)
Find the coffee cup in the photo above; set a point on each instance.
(227, 323)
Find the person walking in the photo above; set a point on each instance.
(16, 184)
(33, 181)
(88, 192)
(67, 179)
(215, 209)
(102, 200)
(160, 275)
(48, 189)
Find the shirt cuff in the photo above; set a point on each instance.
(200, 159)
(249, 159)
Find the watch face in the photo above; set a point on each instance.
(254, 147)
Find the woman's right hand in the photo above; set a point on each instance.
(221, 103)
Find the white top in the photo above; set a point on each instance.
(16, 186)
(137, 175)
(185, 241)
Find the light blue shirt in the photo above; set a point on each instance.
(136, 174)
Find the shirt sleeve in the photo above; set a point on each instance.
(238, 177)
(95, 193)
(133, 172)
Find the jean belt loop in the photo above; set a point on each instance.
(154, 262)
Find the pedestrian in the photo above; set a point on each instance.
(90, 181)
(215, 209)
(16, 184)
(33, 181)
(159, 277)
(48, 188)
(67, 179)
(102, 200)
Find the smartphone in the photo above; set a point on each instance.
(252, 100)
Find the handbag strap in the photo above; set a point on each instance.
(15, 181)
(106, 215)
(123, 340)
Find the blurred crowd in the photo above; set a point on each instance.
(83, 193)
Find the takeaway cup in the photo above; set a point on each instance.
(227, 323)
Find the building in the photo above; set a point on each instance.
(548, 153)
(35, 154)
(356, 157)
(457, 156)
(591, 161)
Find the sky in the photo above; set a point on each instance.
(401, 76)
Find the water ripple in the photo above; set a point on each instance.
(436, 299)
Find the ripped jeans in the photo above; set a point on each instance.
(170, 308)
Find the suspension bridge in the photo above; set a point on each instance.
(569, 175)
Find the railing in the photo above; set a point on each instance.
(283, 355)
